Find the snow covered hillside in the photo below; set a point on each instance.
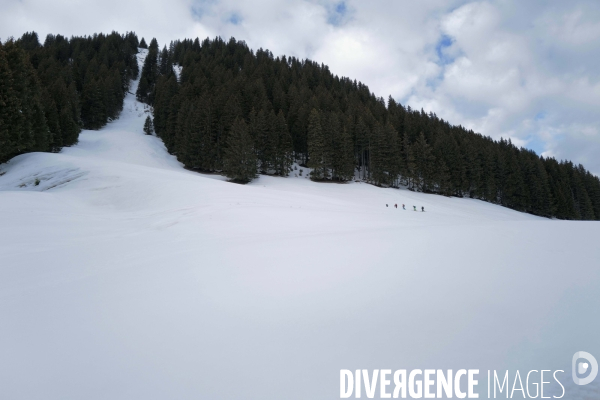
(125, 276)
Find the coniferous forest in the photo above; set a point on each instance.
(49, 92)
(241, 112)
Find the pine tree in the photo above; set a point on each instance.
(361, 144)
(263, 139)
(583, 202)
(187, 136)
(377, 156)
(20, 133)
(9, 105)
(592, 185)
(490, 172)
(165, 62)
(148, 126)
(316, 146)
(150, 72)
(92, 105)
(344, 157)
(514, 188)
(424, 160)
(391, 154)
(143, 88)
(283, 152)
(443, 178)
(410, 173)
(68, 127)
(239, 162)
(167, 88)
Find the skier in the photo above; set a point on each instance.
(386, 205)
(415, 208)
(395, 205)
(404, 208)
(422, 209)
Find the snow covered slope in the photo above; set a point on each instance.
(125, 276)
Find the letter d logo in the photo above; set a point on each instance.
(580, 368)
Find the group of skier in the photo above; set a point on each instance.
(404, 207)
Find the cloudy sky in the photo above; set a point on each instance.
(527, 70)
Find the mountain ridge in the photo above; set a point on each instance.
(287, 110)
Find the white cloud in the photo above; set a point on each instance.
(525, 70)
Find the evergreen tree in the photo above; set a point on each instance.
(165, 62)
(9, 106)
(343, 157)
(150, 73)
(284, 148)
(148, 126)
(93, 108)
(316, 146)
(21, 138)
(264, 140)
(362, 145)
(239, 162)
(378, 156)
(424, 163)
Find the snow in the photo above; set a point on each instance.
(123, 275)
(177, 69)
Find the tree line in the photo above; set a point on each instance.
(244, 112)
(49, 92)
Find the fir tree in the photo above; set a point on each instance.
(148, 126)
(165, 66)
(239, 162)
(150, 73)
(424, 163)
(264, 139)
(316, 146)
(9, 105)
(410, 173)
(284, 148)
(343, 158)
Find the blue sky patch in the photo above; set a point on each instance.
(540, 116)
(536, 144)
(200, 8)
(444, 42)
(235, 19)
(337, 14)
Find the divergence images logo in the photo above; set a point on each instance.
(580, 367)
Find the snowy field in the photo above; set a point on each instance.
(125, 276)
